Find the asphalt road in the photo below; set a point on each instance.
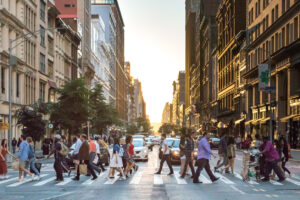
(144, 185)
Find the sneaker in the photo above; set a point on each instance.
(171, 173)
(112, 177)
(32, 177)
(157, 173)
(217, 178)
(123, 178)
(75, 179)
(136, 168)
(94, 178)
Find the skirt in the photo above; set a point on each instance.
(113, 162)
(3, 167)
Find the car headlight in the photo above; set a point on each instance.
(176, 153)
(145, 151)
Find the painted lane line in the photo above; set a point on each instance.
(25, 181)
(112, 181)
(65, 182)
(241, 178)
(236, 189)
(179, 180)
(293, 181)
(158, 179)
(204, 180)
(256, 190)
(275, 182)
(136, 178)
(225, 180)
(8, 180)
(44, 181)
(262, 190)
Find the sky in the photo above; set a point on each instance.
(155, 47)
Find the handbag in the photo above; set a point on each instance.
(83, 169)
(15, 165)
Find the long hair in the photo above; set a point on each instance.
(3, 143)
(128, 139)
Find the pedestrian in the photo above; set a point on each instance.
(258, 141)
(223, 149)
(64, 140)
(189, 149)
(280, 153)
(57, 159)
(285, 151)
(231, 155)
(100, 143)
(23, 153)
(203, 157)
(165, 156)
(272, 158)
(130, 152)
(238, 141)
(182, 154)
(30, 163)
(3, 152)
(116, 161)
(76, 151)
(93, 153)
(125, 157)
(84, 157)
(19, 142)
(14, 143)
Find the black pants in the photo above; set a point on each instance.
(188, 161)
(89, 167)
(100, 163)
(273, 165)
(163, 159)
(94, 166)
(284, 167)
(203, 163)
(58, 169)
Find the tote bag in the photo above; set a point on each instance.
(83, 169)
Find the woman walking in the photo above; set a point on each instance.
(116, 161)
(285, 157)
(230, 154)
(30, 164)
(130, 153)
(3, 152)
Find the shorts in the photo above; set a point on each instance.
(21, 164)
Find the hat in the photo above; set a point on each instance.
(57, 136)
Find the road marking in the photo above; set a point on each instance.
(25, 181)
(66, 181)
(275, 195)
(262, 190)
(179, 180)
(136, 178)
(292, 181)
(204, 179)
(256, 190)
(8, 180)
(275, 182)
(295, 177)
(253, 182)
(45, 181)
(224, 179)
(158, 180)
(112, 181)
(56, 196)
(237, 175)
(269, 196)
(236, 189)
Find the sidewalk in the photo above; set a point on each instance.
(295, 155)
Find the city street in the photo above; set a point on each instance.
(145, 185)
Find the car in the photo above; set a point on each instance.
(214, 142)
(138, 137)
(140, 150)
(149, 143)
(173, 144)
(156, 140)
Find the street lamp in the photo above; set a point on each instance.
(13, 61)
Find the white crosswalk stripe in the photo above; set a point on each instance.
(237, 175)
(204, 180)
(8, 180)
(293, 181)
(275, 182)
(158, 179)
(65, 182)
(112, 181)
(24, 181)
(224, 179)
(137, 178)
(40, 183)
(179, 180)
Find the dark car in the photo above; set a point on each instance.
(214, 142)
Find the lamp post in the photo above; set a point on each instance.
(13, 61)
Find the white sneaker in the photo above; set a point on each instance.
(39, 177)
(32, 177)
(123, 178)
(20, 179)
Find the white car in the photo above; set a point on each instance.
(140, 150)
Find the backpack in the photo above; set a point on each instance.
(30, 152)
(64, 150)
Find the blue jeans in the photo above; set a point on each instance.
(31, 164)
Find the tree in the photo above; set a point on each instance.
(132, 129)
(142, 122)
(71, 110)
(166, 128)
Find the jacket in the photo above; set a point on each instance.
(84, 153)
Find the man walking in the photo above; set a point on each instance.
(272, 158)
(93, 151)
(14, 143)
(58, 158)
(165, 156)
(204, 153)
(223, 151)
(23, 151)
(84, 157)
(189, 148)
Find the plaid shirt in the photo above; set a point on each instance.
(189, 147)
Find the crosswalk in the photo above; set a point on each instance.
(143, 176)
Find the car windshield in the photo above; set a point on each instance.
(138, 143)
(175, 144)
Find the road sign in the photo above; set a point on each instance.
(263, 76)
(4, 126)
(50, 125)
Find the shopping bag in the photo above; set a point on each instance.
(15, 165)
(83, 169)
(95, 161)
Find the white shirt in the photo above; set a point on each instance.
(164, 146)
(77, 146)
(97, 147)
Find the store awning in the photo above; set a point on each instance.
(263, 121)
(52, 84)
(238, 121)
(286, 119)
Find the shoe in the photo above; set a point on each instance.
(130, 171)
(99, 172)
(75, 179)
(217, 178)
(120, 174)
(182, 177)
(215, 169)
(112, 177)
(157, 173)
(281, 180)
(32, 177)
(265, 179)
(69, 173)
(20, 179)
(127, 176)
(59, 180)
(197, 181)
(39, 177)
(171, 173)
(136, 168)
(94, 178)
(88, 175)
(123, 178)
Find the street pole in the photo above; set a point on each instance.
(10, 97)
(270, 92)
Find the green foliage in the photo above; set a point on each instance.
(132, 129)
(144, 123)
(166, 128)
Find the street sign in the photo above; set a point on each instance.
(263, 76)
(50, 125)
(4, 126)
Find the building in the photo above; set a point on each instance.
(77, 14)
(231, 20)
(139, 101)
(178, 97)
(274, 40)
(131, 109)
(167, 114)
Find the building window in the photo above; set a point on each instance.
(42, 9)
(273, 16)
(259, 7)
(287, 4)
(276, 12)
(42, 91)
(51, 95)
(18, 85)
(42, 36)
(296, 28)
(267, 21)
(2, 80)
(42, 63)
(287, 34)
(283, 6)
